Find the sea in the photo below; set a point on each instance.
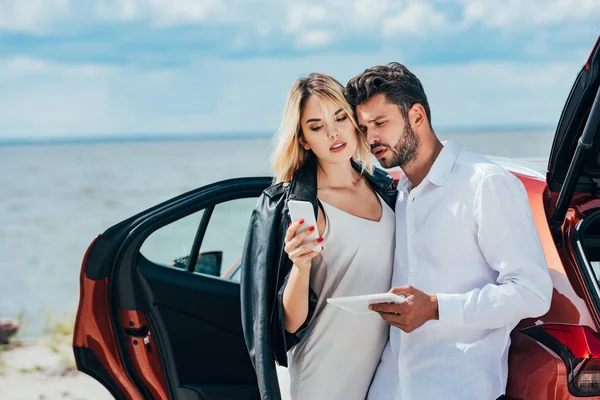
(55, 197)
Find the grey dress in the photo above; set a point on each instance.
(338, 355)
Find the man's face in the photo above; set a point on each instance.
(389, 134)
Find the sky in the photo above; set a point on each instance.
(71, 68)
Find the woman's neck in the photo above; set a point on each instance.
(336, 176)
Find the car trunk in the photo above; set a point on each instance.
(573, 175)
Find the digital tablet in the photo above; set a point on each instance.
(360, 304)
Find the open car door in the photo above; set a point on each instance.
(159, 311)
(574, 164)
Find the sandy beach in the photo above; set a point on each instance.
(45, 370)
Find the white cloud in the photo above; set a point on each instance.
(310, 20)
(370, 10)
(210, 95)
(21, 66)
(380, 17)
(302, 16)
(497, 93)
(520, 14)
(175, 12)
(417, 18)
(40, 16)
(158, 12)
(31, 15)
(40, 97)
(314, 39)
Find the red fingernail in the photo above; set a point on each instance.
(312, 228)
(320, 239)
(301, 221)
(322, 248)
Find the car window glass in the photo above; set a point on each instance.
(222, 243)
(226, 233)
(171, 243)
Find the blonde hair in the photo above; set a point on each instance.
(289, 155)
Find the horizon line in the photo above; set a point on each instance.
(156, 137)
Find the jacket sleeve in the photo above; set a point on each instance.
(283, 339)
(257, 293)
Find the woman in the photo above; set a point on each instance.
(320, 157)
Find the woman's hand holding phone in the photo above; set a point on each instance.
(301, 254)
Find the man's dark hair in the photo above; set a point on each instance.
(395, 81)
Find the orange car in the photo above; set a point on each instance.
(149, 327)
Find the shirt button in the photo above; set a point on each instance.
(403, 340)
(412, 270)
(412, 233)
(404, 375)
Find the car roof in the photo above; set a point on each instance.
(531, 167)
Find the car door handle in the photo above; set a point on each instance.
(140, 332)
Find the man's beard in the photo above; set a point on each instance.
(404, 151)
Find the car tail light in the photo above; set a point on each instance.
(588, 378)
(579, 347)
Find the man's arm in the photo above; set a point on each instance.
(510, 244)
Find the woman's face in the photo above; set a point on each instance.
(328, 131)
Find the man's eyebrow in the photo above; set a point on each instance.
(376, 118)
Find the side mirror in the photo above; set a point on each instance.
(208, 263)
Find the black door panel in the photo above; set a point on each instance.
(215, 300)
(214, 347)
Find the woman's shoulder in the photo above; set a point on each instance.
(380, 177)
(276, 190)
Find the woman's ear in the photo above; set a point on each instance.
(303, 143)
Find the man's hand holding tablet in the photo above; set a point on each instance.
(360, 304)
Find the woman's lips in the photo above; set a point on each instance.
(336, 148)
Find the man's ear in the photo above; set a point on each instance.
(417, 115)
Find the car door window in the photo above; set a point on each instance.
(226, 233)
(218, 232)
(167, 245)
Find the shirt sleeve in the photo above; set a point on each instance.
(509, 242)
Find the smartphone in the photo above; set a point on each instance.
(304, 210)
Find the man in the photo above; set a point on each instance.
(468, 257)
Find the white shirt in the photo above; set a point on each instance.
(466, 234)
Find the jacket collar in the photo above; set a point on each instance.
(303, 186)
(304, 183)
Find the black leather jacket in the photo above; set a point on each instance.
(265, 270)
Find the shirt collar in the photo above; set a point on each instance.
(443, 164)
(439, 171)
